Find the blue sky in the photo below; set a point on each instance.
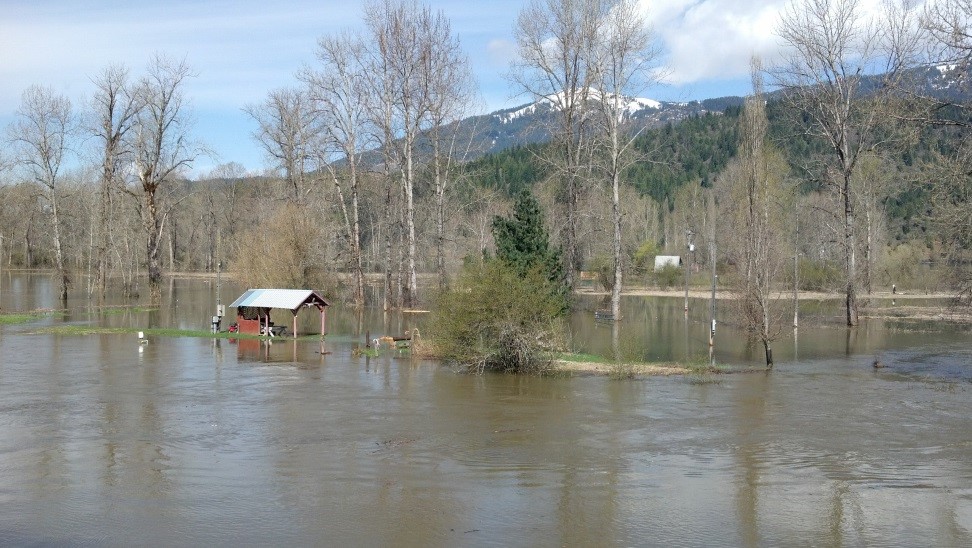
(240, 50)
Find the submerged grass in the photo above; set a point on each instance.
(115, 310)
(577, 363)
(82, 330)
(26, 317)
(11, 319)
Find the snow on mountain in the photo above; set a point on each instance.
(629, 106)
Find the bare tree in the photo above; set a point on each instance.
(949, 24)
(449, 88)
(834, 49)
(396, 28)
(338, 91)
(409, 41)
(116, 106)
(622, 59)
(555, 39)
(755, 217)
(162, 148)
(286, 133)
(41, 137)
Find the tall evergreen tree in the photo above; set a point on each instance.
(523, 243)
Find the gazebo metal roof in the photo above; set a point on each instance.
(290, 299)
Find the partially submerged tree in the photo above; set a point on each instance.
(754, 214)
(840, 74)
(338, 92)
(41, 138)
(949, 24)
(162, 148)
(450, 89)
(622, 59)
(116, 106)
(415, 60)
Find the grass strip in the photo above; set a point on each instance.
(82, 330)
(26, 317)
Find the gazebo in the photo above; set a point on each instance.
(253, 308)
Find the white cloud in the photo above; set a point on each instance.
(713, 39)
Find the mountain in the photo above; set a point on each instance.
(532, 122)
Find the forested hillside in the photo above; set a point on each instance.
(697, 149)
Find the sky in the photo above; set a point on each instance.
(241, 50)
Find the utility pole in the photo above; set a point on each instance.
(218, 318)
(691, 249)
(712, 259)
(796, 265)
(712, 301)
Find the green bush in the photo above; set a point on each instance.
(493, 318)
(643, 260)
(668, 276)
(818, 276)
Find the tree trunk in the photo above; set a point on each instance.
(152, 225)
(58, 250)
(867, 250)
(616, 211)
(411, 291)
(439, 224)
(103, 218)
(356, 260)
(850, 253)
(28, 246)
(386, 298)
(570, 236)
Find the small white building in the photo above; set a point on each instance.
(661, 261)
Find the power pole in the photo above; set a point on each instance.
(712, 301)
(1, 266)
(691, 249)
(712, 259)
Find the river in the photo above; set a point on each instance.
(191, 441)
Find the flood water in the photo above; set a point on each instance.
(194, 441)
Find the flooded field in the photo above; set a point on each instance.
(191, 441)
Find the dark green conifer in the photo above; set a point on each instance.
(523, 243)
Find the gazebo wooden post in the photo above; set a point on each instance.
(323, 320)
(295, 322)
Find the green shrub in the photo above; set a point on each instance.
(668, 276)
(643, 260)
(818, 276)
(494, 318)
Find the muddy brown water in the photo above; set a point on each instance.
(194, 442)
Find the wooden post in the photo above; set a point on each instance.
(295, 322)
(323, 321)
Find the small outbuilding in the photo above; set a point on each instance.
(253, 308)
(661, 261)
